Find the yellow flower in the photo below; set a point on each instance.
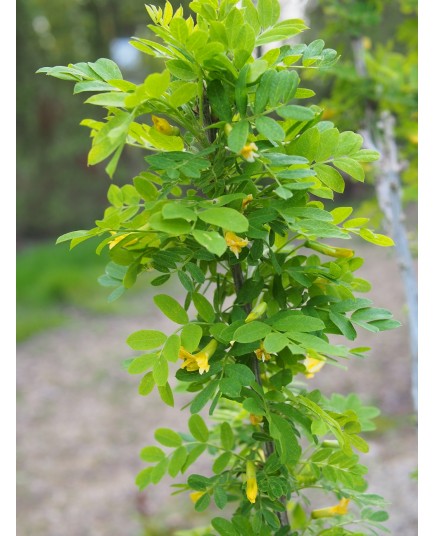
(339, 509)
(198, 361)
(313, 365)
(246, 201)
(196, 495)
(261, 354)
(163, 126)
(116, 240)
(248, 152)
(252, 485)
(255, 419)
(235, 243)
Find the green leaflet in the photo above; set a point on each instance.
(152, 454)
(176, 211)
(181, 69)
(287, 445)
(146, 384)
(223, 527)
(171, 348)
(270, 129)
(227, 436)
(306, 145)
(168, 438)
(171, 226)
(219, 100)
(268, 12)
(226, 218)
(183, 94)
(352, 167)
(294, 111)
(171, 308)
(274, 342)
(177, 461)
(253, 331)
(204, 308)
(116, 99)
(142, 363)
(146, 339)
(375, 238)
(211, 240)
(238, 136)
(166, 394)
(110, 137)
(198, 428)
(191, 336)
(161, 371)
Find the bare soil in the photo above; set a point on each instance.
(81, 424)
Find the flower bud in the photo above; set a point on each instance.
(252, 485)
(119, 238)
(339, 509)
(257, 312)
(163, 126)
(196, 495)
(228, 129)
(340, 253)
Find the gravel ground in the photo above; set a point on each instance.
(81, 425)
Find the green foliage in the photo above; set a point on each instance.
(231, 203)
(387, 34)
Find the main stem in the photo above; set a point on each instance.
(238, 278)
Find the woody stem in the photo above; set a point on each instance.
(238, 279)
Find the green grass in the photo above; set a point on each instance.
(51, 281)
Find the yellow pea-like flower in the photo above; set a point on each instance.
(246, 201)
(248, 152)
(255, 419)
(262, 354)
(235, 243)
(313, 365)
(199, 361)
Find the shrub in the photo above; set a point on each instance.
(232, 204)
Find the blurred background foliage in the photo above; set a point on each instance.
(57, 192)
